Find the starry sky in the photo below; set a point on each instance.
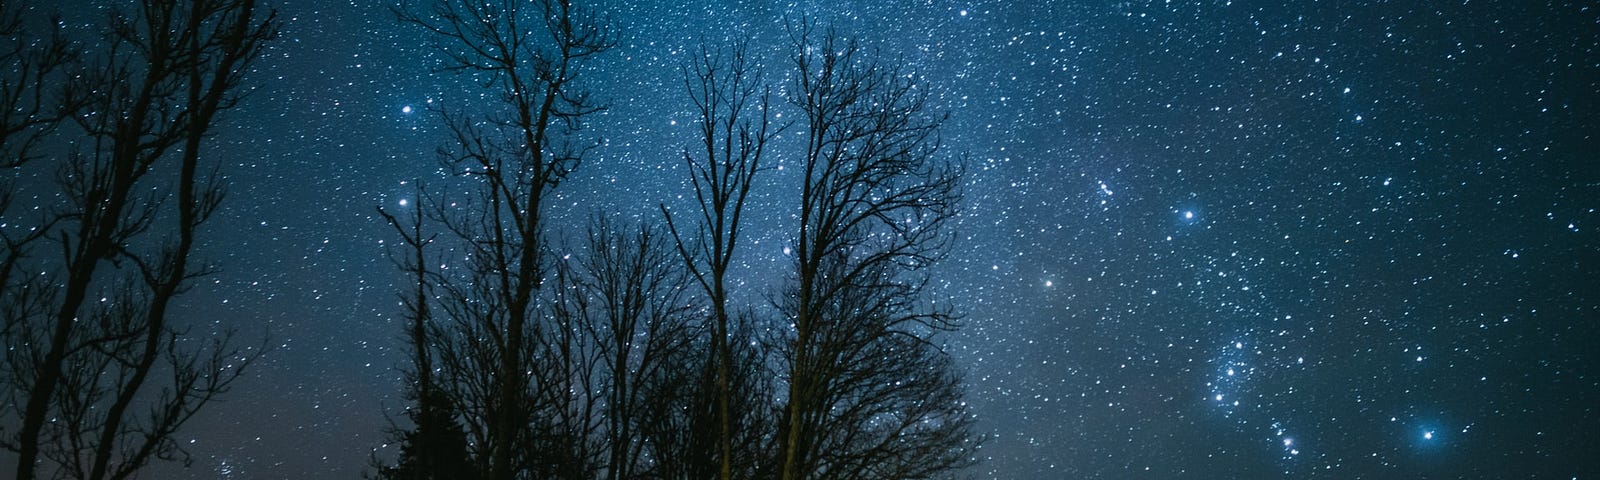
(1201, 239)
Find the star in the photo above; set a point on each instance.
(1315, 221)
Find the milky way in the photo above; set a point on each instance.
(1200, 239)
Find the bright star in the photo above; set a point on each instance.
(405, 109)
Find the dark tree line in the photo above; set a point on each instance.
(618, 354)
(105, 140)
(624, 353)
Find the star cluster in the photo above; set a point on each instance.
(1203, 239)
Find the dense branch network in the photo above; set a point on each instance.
(98, 389)
(627, 352)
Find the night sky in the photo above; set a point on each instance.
(1200, 239)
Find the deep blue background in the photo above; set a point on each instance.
(1371, 225)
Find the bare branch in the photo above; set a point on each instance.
(140, 110)
(869, 395)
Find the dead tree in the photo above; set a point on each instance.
(104, 378)
(528, 55)
(869, 395)
(734, 129)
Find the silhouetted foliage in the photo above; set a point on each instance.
(98, 378)
(435, 448)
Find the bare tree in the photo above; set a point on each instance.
(607, 372)
(104, 384)
(868, 393)
(33, 106)
(630, 295)
(680, 422)
(528, 55)
(435, 448)
(726, 94)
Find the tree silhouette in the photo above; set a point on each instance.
(84, 373)
(511, 378)
(868, 394)
(681, 424)
(629, 294)
(623, 356)
(724, 91)
(435, 448)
